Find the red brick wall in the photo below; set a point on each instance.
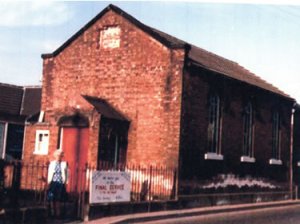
(197, 85)
(29, 143)
(142, 79)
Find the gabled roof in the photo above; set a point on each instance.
(197, 55)
(18, 100)
(169, 41)
(104, 108)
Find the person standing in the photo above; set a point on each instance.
(57, 179)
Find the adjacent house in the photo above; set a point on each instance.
(16, 104)
(296, 146)
(120, 91)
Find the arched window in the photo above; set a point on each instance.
(248, 131)
(214, 124)
(276, 135)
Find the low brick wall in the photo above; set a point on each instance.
(190, 201)
(34, 215)
(202, 200)
(103, 210)
(39, 214)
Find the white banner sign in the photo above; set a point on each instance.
(110, 186)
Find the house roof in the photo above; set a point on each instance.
(197, 55)
(10, 99)
(104, 108)
(18, 100)
(31, 103)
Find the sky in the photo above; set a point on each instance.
(263, 37)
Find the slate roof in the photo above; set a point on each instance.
(31, 101)
(18, 100)
(104, 108)
(197, 55)
(222, 65)
(231, 69)
(10, 99)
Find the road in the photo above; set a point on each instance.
(278, 215)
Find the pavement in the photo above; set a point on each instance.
(143, 217)
(152, 216)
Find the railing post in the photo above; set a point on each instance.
(174, 194)
(45, 189)
(85, 179)
(16, 183)
(150, 184)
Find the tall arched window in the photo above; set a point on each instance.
(248, 131)
(276, 135)
(214, 124)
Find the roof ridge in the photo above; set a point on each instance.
(32, 86)
(10, 85)
(150, 30)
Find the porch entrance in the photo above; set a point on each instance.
(113, 142)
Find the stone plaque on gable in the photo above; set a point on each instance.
(110, 37)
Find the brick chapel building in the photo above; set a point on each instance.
(120, 91)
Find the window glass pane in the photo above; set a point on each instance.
(214, 123)
(14, 142)
(40, 137)
(276, 136)
(248, 130)
(42, 142)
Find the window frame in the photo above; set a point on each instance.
(276, 139)
(214, 129)
(248, 134)
(40, 148)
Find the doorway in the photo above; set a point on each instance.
(74, 141)
(75, 146)
(113, 142)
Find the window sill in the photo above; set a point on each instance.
(40, 153)
(275, 162)
(213, 156)
(247, 159)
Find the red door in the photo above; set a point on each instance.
(75, 146)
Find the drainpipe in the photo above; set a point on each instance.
(186, 64)
(24, 141)
(116, 151)
(291, 150)
(3, 156)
